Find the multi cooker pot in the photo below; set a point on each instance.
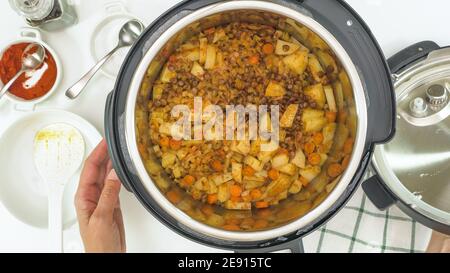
(373, 108)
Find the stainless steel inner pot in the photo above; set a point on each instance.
(205, 18)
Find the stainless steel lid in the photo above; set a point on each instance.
(415, 165)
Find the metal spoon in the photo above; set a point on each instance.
(129, 33)
(32, 58)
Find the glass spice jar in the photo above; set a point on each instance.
(50, 15)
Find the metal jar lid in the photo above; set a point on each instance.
(415, 165)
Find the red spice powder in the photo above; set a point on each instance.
(10, 65)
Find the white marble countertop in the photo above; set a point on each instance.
(396, 25)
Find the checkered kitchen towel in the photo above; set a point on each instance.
(361, 228)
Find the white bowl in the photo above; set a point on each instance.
(32, 35)
(22, 191)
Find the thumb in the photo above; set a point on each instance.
(109, 196)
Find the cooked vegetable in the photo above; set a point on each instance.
(284, 48)
(275, 90)
(329, 93)
(288, 118)
(297, 62)
(211, 54)
(197, 70)
(257, 183)
(313, 120)
(316, 92)
(299, 159)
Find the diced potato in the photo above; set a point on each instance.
(296, 187)
(339, 95)
(203, 50)
(238, 205)
(211, 187)
(330, 187)
(254, 163)
(227, 177)
(275, 90)
(313, 120)
(297, 62)
(283, 183)
(316, 92)
(284, 48)
(197, 70)
(220, 61)
(243, 147)
(168, 159)
(217, 179)
(289, 169)
(255, 147)
(177, 171)
(299, 159)
(223, 193)
(252, 184)
(316, 69)
(167, 75)
(327, 61)
(316, 41)
(215, 220)
(211, 55)
(219, 35)
(324, 158)
(288, 118)
(310, 173)
(236, 171)
(192, 55)
(158, 91)
(346, 84)
(280, 160)
(329, 93)
(328, 133)
(166, 129)
(302, 31)
(182, 153)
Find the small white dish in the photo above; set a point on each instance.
(105, 36)
(32, 35)
(22, 190)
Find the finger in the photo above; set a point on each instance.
(118, 218)
(109, 197)
(94, 164)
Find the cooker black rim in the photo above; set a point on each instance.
(350, 31)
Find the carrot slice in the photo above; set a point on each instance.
(212, 199)
(217, 166)
(188, 180)
(256, 194)
(254, 60)
(232, 227)
(261, 205)
(174, 197)
(314, 159)
(248, 171)
(331, 116)
(309, 148)
(274, 174)
(348, 146)
(260, 224)
(318, 138)
(235, 191)
(268, 49)
(175, 144)
(334, 170)
(164, 142)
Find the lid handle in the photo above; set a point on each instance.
(377, 193)
(410, 55)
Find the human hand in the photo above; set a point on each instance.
(97, 205)
(439, 243)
